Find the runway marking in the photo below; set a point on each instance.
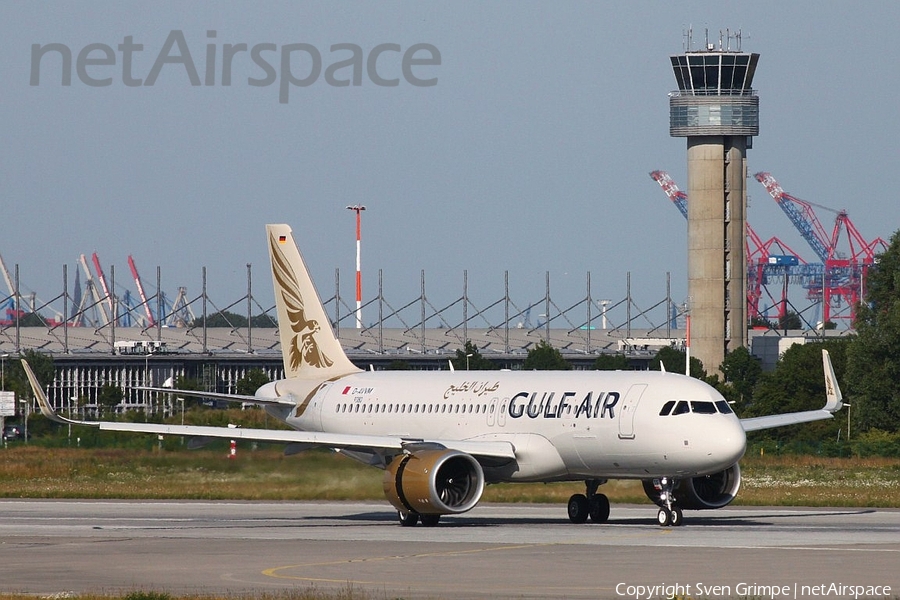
(274, 571)
(810, 548)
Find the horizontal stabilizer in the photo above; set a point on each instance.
(244, 399)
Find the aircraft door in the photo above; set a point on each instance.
(493, 406)
(628, 409)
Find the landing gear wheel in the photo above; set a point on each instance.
(664, 517)
(408, 519)
(598, 508)
(429, 520)
(676, 518)
(578, 508)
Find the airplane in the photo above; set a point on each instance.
(441, 436)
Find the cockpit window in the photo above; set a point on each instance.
(700, 407)
(681, 408)
(703, 408)
(723, 407)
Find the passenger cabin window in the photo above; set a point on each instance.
(667, 408)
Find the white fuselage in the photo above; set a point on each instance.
(563, 425)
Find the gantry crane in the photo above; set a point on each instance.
(844, 274)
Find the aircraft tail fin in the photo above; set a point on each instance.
(308, 344)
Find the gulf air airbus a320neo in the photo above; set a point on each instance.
(440, 436)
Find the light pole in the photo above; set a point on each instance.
(3, 358)
(75, 400)
(358, 208)
(147, 383)
(848, 422)
(26, 409)
(467, 361)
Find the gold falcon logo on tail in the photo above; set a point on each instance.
(303, 346)
(309, 346)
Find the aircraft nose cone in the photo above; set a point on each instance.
(730, 446)
(725, 446)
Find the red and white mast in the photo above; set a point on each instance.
(358, 208)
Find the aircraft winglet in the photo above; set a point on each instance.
(834, 398)
(833, 403)
(41, 397)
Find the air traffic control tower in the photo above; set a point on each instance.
(716, 109)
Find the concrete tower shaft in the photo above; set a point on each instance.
(718, 112)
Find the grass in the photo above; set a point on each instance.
(266, 474)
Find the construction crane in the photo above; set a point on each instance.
(92, 287)
(140, 289)
(181, 314)
(844, 274)
(102, 279)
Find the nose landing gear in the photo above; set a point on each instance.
(668, 514)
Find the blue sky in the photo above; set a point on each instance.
(531, 152)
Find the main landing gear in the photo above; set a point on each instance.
(590, 504)
(668, 514)
(409, 519)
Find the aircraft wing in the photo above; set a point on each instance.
(833, 403)
(315, 438)
(492, 449)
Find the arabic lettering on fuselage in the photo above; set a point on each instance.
(473, 388)
(549, 405)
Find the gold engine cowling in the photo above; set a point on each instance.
(704, 492)
(434, 482)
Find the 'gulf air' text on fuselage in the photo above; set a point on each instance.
(544, 405)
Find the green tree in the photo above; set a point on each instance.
(760, 321)
(225, 318)
(252, 381)
(873, 366)
(544, 357)
(674, 359)
(612, 362)
(790, 320)
(741, 370)
(470, 358)
(108, 398)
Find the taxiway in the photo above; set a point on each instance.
(495, 551)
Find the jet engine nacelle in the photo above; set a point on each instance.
(698, 493)
(434, 482)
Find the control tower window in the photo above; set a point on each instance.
(698, 81)
(679, 67)
(728, 73)
(711, 65)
